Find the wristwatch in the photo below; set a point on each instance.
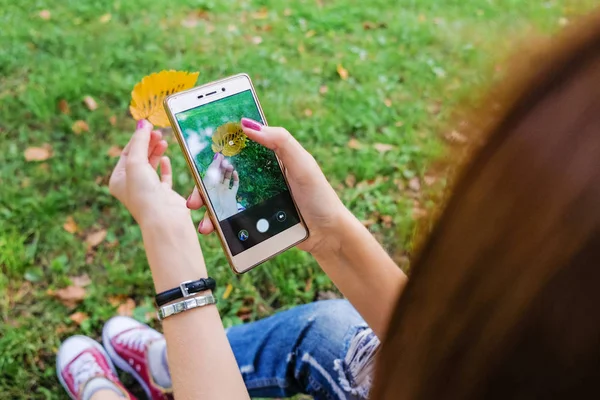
(185, 289)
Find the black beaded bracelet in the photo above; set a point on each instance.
(186, 289)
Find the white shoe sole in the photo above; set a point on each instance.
(97, 346)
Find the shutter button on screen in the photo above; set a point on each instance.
(280, 216)
(262, 225)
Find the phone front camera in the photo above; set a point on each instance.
(223, 89)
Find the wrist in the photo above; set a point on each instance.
(334, 234)
(173, 252)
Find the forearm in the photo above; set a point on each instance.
(201, 361)
(363, 272)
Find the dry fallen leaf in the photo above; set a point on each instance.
(354, 144)
(126, 308)
(90, 103)
(70, 225)
(112, 120)
(45, 15)
(105, 18)
(38, 153)
(80, 126)
(310, 34)
(78, 317)
(414, 184)
(114, 151)
(287, 12)
(81, 280)
(227, 291)
(308, 112)
(323, 89)
(399, 124)
(63, 107)
(350, 181)
(95, 238)
(117, 300)
(342, 72)
(387, 220)
(263, 13)
(387, 102)
(69, 296)
(257, 40)
(382, 147)
(193, 19)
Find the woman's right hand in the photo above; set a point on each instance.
(320, 206)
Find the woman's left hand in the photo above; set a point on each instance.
(136, 184)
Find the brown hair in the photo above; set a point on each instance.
(503, 297)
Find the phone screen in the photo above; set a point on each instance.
(243, 180)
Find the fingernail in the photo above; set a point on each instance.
(141, 123)
(215, 156)
(187, 202)
(200, 225)
(251, 124)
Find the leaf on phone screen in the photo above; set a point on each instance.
(229, 139)
(147, 96)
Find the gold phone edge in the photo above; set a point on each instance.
(179, 136)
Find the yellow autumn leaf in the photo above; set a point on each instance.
(148, 95)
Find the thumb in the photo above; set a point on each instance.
(295, 158)
(138, 146)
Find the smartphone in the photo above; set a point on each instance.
(242, 182)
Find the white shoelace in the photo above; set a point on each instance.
(84, 368)
(137, 338)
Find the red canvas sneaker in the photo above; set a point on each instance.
(128, 344)
(83, 368)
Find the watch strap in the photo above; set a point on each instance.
(185, 289)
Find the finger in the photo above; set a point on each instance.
(140, 143)
(158, 152)
(155, 138)
(295, 158)
(236, 180)
(125, 153)
(228, 173)
(206, 226)
(166, 172)
(195, 201)
(216, 162)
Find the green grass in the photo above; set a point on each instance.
(421, 57)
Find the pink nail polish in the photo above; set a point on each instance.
(141, 123)
(251, 124)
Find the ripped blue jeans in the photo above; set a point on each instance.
(324, 349)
